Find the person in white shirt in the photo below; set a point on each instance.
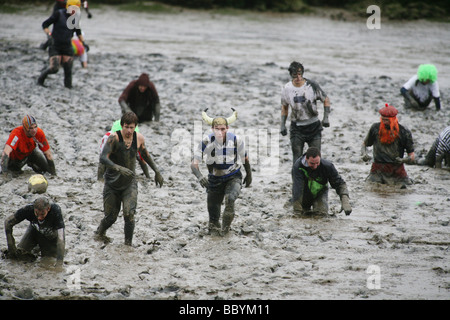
(301, 95)
(422, 88)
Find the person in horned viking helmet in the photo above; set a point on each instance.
(224, 153)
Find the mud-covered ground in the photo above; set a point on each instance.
(394, 245)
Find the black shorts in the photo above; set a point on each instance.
(60, 50)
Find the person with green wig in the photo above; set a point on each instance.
(101, 167)
(422, 88)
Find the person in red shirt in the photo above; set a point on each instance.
(20, 149)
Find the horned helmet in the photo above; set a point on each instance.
(219, 120)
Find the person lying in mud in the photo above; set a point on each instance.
(20, 149)
(46, 230)
(301, 95)
(439, 151)
(60, 44)
(141, 97)
(311, 175)
(390, 140)
(421, 88)
(225, 153)
(119, 157)
(101, 167)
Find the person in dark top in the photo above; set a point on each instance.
(311, 175)
(119, 157)
(141, 97)
(46, 230)
(60, 43)
(390, 140)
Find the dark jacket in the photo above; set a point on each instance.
(308, 182)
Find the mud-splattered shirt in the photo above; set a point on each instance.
(49, 226)
(422, 91)
(124, 157)
(386, 153)
(224, 158)
(303, 101)
(443, 143)
(23, 145)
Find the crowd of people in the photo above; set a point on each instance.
(224, 152)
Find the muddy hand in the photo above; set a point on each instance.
(159, 179)
(125, 171)
(345, 205)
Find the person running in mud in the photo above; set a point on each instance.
(422, 88)
(60, 45)
(119, 157)
(20, 149)
(101, 167)
(311, 175)
(301, 95)
(141, 97)
(439, 151)
(389, 140)
(224, 154)
(46, 230)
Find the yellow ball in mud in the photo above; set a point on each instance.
(37, 184)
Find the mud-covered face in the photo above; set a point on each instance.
(31, 131)
(41, 213)
(297, 79)
(313, 162)
(128, 129)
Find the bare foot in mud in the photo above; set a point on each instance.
(102, 238)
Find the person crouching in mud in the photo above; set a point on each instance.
(389, 140)
(224, 154)
(119, 157)
(311, 175)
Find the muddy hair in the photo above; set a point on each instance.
(312, 152)
(41, 203)
(129, 118)
(294, 67)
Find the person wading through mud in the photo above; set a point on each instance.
(439, 151)
(46, 230)
(224, 154)
(301, 95)
(311, 175)
(421, 88)
(141, 97)
(20, 149)
(390, 140)
(119, 157)
(60, 43)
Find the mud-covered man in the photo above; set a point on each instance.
(390, 140)
(439, 151)
(301, 95)
(311, 175)
(119, 157)
(20, 149)
(141, 97)
(225, 153)
(46, 230)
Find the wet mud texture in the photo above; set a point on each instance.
(218, 62)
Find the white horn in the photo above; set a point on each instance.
(206, 118)
(233, 117)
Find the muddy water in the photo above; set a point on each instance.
(201, 60)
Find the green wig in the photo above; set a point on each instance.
(116, 126)
(427, 72)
